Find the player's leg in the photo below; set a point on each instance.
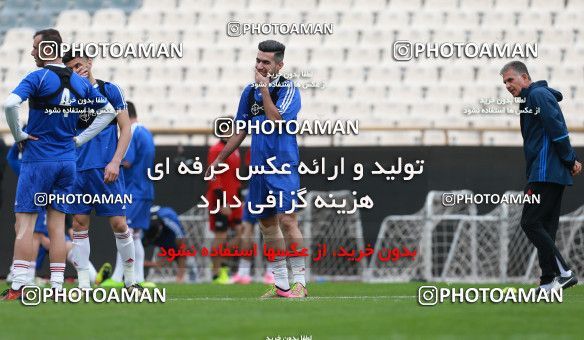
(28, 188)
(567, 277)
(116, 213)
(219, 270)
(70, 258)
(244, 232)
(286, 185)
(57, 249)
(274, 240)
(63, 185)
(532, 222)
(292, 235)
(218, 224)
(125, 246)
(138, 218)
(23, 252)
(81, 220)
(81, 249)
(36, 244)
(40, 239)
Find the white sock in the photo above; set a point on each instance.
(125, 246)
(71, 257)
(92, 272)
(244, 267)
(57, 275)
(31, 272)
(20, 273)
(281, 273)
(80, 256)
(298, 269)
(563, 272)
(118, 274)
(139, 264)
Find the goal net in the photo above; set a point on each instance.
(319, 226)
(462, 246)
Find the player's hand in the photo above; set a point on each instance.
(577, 168)
(22, 143)
(261, 80)
(112, 171)
(226, 211)
(83, 71)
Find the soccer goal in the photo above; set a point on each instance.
(318, 226)
(461, 246)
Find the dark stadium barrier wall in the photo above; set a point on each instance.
(486, 170)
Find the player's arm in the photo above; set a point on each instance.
(105, 114)
(556, 128)
(233, 143)
(116, 96)
(112, 170)
(25, 89)
(11, 109)
(270, 108)
(238, 134)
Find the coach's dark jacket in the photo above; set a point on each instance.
(548, 153)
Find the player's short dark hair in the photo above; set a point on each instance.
(50, 34)
(131, 110)
(516, 66)
(68, 56)
(273, 46)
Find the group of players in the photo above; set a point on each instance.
(71, 146)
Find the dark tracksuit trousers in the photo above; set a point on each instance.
(540, 223)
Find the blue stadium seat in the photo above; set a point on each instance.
(16, 6)
(38, 20)
(53, 7)
(125, 5)
(89, 5)
(7, 21)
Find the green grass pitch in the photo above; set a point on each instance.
(333, 311)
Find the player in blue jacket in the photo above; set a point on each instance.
(56, 96)
(551, 163)
(98, 174)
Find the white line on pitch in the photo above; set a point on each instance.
(383, 297)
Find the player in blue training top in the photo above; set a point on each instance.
(138, 159)
(276, 99)
(98, 174)
(166, 231)
(56, 95)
